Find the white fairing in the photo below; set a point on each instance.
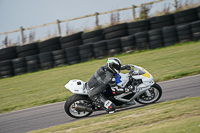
(147, 79)
(76, 86)
(124, 79)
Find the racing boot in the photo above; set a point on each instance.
(109, 107)
(103, 103)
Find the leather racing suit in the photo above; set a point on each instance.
(98, 83)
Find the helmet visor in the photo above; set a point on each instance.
(116, 68)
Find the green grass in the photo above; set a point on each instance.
(166, 117)
(43, 87)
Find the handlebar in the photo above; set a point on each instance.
(131, 71)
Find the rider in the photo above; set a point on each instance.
(104, 77)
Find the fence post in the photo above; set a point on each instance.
(175, 4)
(97, 19)
(22, 35)
(59, 30)
(133, 8)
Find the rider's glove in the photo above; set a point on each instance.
(128, 67)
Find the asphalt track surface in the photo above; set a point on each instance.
(53, 114)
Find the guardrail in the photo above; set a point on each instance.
(133, 7)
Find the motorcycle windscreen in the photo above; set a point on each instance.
(139, 71)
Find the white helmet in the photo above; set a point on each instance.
(114, 65)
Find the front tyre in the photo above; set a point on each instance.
(155, 94)
(74, 100)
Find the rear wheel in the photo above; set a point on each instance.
(155, 92)
(77, 100)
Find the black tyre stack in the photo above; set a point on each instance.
(93, 36)
(86, 52)
(114, 46)
(6, 69)
(142, 40)
(115, 31)
(198, 11)
(46, 60)
(72, 55)
(71, 40)
(32, 63)
(185, 16)
(128, 43)
(59, 57)
(162, 21)
(155, 39)
(8, 53)
(139, 26)
(27, 50)
(184, 32)
(195, 30)
(100, 49)
(19, 66)
(49, 45)
(170, 36)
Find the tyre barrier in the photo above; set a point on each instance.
(139, 26)
(142, 40)
(8, 53)
(128, 43)
(86, 52)
(155, 39)
(170, 36)
(185, 16)
(199, 15)
(27, 50)
(46, 60)
(32, 63)
(184, 32)
(71, 40)
(100, 49)
(72, 55)
(195, 30)
(70, 50)
(115, 31)
(114, 46)
(162, 21)
(59, 57)
(93, 36)
(198, 11)
(49, 45)
(6, 69)
(19, 66)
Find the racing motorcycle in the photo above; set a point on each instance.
(138, 85)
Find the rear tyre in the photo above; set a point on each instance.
(156, 93)
(74, 100)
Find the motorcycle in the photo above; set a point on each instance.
(138, 85)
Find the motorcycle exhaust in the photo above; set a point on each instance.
(83, 108)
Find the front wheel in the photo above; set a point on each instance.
(155, 93)
(74, 100)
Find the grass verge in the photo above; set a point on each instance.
(167, 117)
(43, 87)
